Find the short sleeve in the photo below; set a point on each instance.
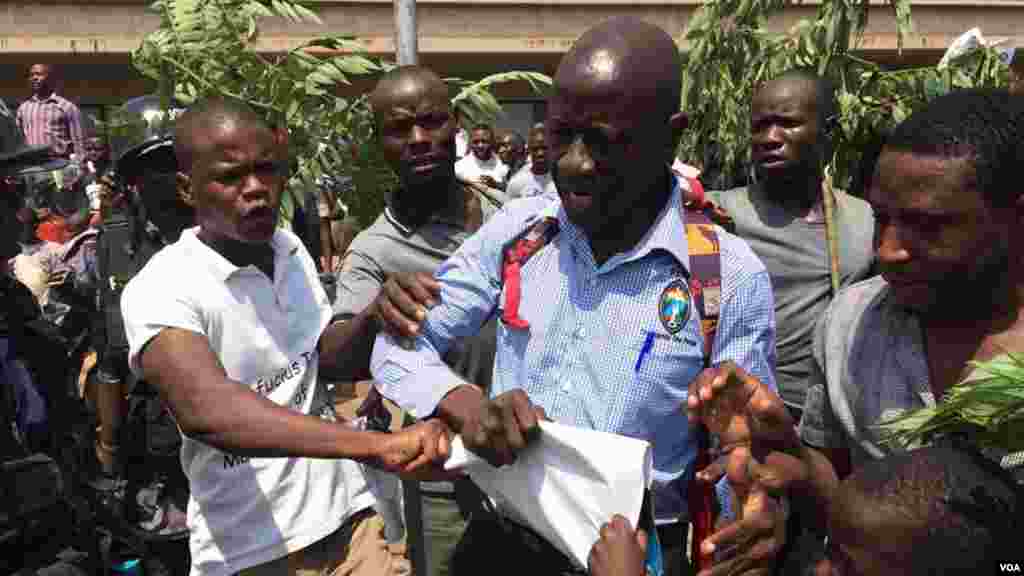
(359, 281)
(149, 305)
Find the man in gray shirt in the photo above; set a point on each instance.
(781, 217)
(426, 220)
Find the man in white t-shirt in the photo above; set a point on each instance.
(230, 324)
(535, 179)
(482, 165)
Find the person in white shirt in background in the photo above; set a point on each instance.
(231, 325)
(482, 166)
(535, 179)
(685, 170)
(461, 137)
(512, 152)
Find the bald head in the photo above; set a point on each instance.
(629, 58)
(193, 129)
(405, 83)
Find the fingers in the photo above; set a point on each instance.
(541, 413)
(713, 472)
(403, 301)
(641, 539)
(751, 543)
(432, 447)
(729, 538)
(393, 320)
(422, 288)
(525, 416)
(513, 427)
(777, 472)
(507, 424)
(444, 443)
(693, 402)
(620, 523)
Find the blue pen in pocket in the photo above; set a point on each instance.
(644, 351)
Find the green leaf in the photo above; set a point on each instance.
(306, 14)
(355, 64)
(259, 9)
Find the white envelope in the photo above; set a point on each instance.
(567, 484)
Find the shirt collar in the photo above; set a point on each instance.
(51, 97)
(222, 268)
(667, 234)
(436, 218)
(406, 231)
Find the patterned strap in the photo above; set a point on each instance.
(706, 291)
(700, 217)
(515, 255)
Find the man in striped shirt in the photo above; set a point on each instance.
(47, 119)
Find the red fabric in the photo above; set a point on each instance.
(53, 229)
(700, 499)
(510, 274)
(696, 194)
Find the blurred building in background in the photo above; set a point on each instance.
(91, 39)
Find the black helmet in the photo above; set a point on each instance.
(143, 136)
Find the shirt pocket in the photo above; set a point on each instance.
(659, 391)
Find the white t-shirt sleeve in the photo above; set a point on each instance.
(502, 172)
(149, 305)
(463, 169)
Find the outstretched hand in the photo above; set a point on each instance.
(401, 307)
(417, 452)
(740, 410)
(759, 452)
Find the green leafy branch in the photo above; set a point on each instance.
(210, 48)
(732, 52)
(988, 406)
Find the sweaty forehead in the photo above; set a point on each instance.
(232, 139)
(785, 96)
(613, 73)
(410, 94)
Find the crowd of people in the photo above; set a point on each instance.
(582, 275)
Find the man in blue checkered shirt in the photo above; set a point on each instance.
(597, 353)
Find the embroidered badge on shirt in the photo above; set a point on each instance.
(674, 306)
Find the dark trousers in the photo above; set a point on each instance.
(491, 542)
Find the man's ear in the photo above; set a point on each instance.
(183, 186)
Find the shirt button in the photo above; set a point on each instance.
(566, 386)
(579, 332)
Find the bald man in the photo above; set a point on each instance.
(588, 346)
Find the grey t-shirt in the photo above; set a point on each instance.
(869, 367)
(795, 253)
(387, 247)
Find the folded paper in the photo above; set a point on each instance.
(565, 485)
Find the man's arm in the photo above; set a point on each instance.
(398, 306)
(418, 378)
(213, 409)
(326, 246)
(75, 130)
